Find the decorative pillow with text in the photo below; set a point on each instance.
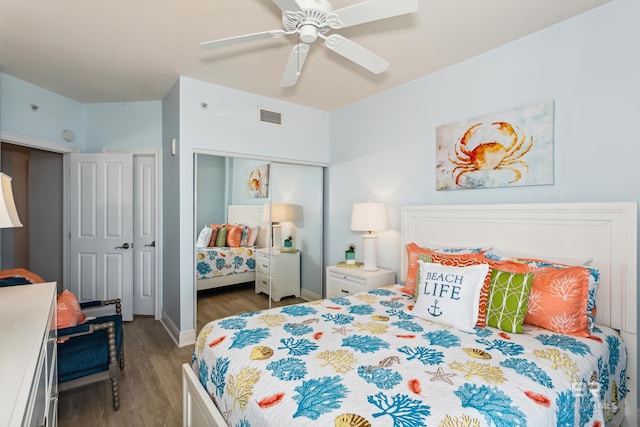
(450, 295)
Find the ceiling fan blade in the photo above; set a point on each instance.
(287, 5)
(356, 53)
(294, 65)
(372, 10)
(242, 39)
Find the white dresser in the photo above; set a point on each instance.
(343, 281)
(282, 268)
(28, 373)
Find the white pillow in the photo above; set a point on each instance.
(450, 295)
(204, 237)
(253, 234)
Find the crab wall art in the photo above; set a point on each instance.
(512, 148)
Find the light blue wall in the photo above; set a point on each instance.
(384, 146)
(172, 211)
(229, 123)
(96, 126)
(55, 113)
(123, 125)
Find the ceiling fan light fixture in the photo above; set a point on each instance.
(310, 19)
(308, 33)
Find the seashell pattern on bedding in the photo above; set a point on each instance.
(324, 363)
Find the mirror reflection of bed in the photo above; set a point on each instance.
(222, 197)
(234, 300)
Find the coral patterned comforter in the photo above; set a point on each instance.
(364, 360)
(217, 261)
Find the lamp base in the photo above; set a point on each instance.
(277, 236)
(369, 245)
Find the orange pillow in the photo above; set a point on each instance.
(214, 234)
(558, 300)
(465, 261)
(415, 253)
(68, 310)
(234, 235)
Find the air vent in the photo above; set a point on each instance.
(272, 117)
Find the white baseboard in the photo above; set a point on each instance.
(309, 296)
(180, 338)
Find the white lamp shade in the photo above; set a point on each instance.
(275, 212)
(8, 212)
(369, 217)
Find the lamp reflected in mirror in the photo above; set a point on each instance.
(369, 217)
(275, 213)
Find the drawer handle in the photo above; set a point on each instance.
(344, 292)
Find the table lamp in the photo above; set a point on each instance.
(369, 217)
(8, 212)
(275, 213)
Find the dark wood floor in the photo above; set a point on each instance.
(151, 384)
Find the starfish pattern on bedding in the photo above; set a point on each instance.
(341, 330)
(441, 375)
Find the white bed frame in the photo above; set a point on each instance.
(606, 232)
(239, 214)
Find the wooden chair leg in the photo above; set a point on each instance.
(115, 391)
(122, 364)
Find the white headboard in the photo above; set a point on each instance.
(606, 232)
(249, 214)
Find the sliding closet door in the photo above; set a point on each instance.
(298, 188)
(284, 275)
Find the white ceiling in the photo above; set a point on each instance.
(133, 50)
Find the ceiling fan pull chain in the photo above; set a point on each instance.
(298, 66)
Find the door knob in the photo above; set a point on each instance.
(124, 246)
(152, 244)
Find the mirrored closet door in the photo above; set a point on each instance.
(262, 223)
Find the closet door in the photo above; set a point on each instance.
(223, 181)
(299, 188)
(101, 228)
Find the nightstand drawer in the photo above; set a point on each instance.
(343, 281)
(262, 283)
(262, 263)
(345, 285)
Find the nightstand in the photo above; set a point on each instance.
(343, 281)
(284, 270)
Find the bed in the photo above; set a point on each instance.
(363, 360)
(224, 266)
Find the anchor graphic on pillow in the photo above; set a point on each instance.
(434, 309)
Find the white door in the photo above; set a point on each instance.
(144, 234)
(101, 228)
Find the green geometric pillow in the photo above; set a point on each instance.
(508, 298)
(221, 239)
(424, 258)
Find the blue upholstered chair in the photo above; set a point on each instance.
(89, 352)
(92, 351)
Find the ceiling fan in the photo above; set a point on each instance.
(310, 19)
